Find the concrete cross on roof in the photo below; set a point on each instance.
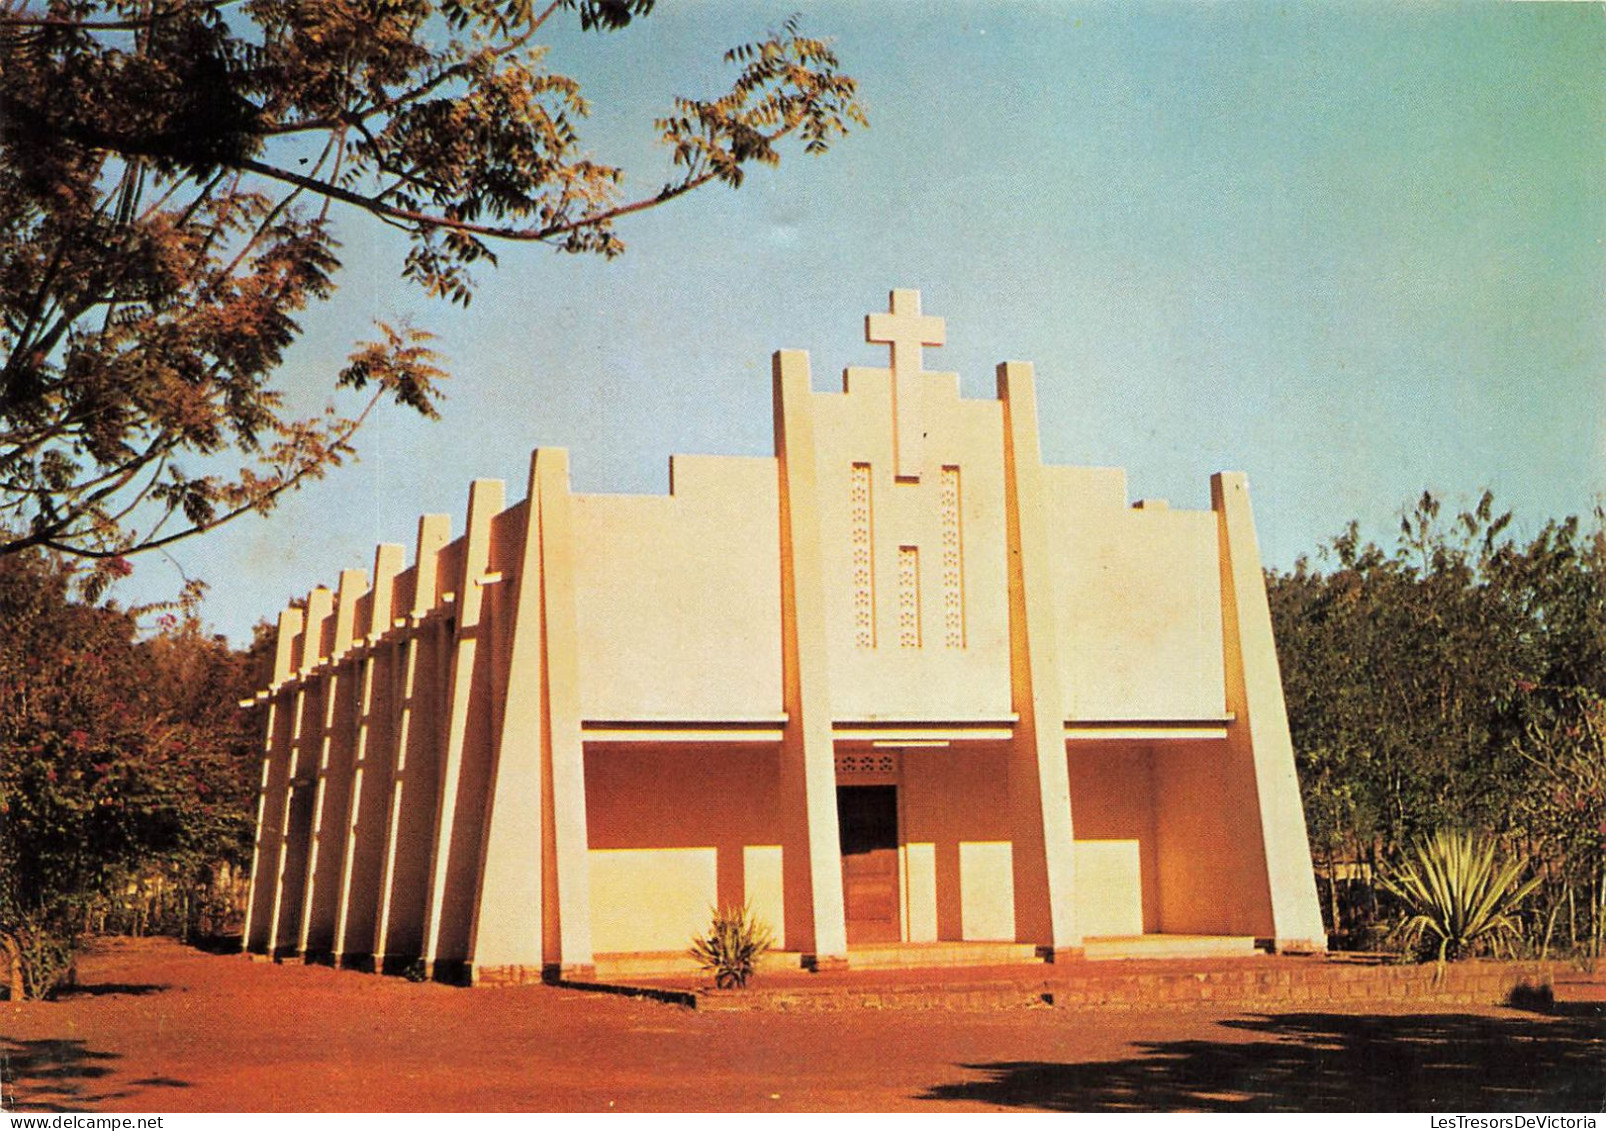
(906, 330)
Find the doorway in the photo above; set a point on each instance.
(867, 817)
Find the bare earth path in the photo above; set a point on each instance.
(158, 1027)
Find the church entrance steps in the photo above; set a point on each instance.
(880, 956)
(877, 956)
(1168, 946)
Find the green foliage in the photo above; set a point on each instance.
(43, 959)
(732, 947)
(1563, 812)
(1458, 898)
(1455, 681)
(122, 759)
(172, 178)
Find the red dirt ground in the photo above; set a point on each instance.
(157, 1027)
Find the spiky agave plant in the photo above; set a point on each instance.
(1458, 894)
(732, 946)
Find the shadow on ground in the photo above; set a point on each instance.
(1325, 1062)
(62, 1075)
(106, 989)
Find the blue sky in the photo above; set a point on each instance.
(1356, 251)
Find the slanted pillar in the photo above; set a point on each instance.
(370, 781)
(567, 883)
(405, 820)
(812, 852)
(484, 501)
(273, 793)
(295, 830)
(1259, 732)
(505, 944)
(332, 789)
(1039, 777)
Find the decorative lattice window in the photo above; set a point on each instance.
(881, 762)
(908, 597)
(953, 562)
(861, 536)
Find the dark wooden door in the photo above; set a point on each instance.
(867, 816)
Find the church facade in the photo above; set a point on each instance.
(900, 684)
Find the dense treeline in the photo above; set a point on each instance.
(127, 770)
(1455, 682)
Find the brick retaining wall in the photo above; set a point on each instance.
(1282, 982)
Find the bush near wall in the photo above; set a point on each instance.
(127, 769)
(1454, 681)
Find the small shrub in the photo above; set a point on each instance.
(732, 946)
(39, 960)
(1458, 899)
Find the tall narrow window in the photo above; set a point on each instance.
(953, 562)
(862, 539)
(908, 597)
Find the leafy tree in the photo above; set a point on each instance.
(1393, 662)
(1564, 811)
(170, 176)
(120, 757)
(1451, 683)
(1557, 720)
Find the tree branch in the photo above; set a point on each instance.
(134, 23)
(428, 220)
(260, 502)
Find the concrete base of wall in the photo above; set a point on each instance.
(825, 963)
(881, 956)
(669, 963)
(508, 975)
(451, 971)
(1169, 946)
(555, 972)
(1061, 954)
(405, 965)
(1302, 983)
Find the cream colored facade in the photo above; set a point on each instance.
(900, 682)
